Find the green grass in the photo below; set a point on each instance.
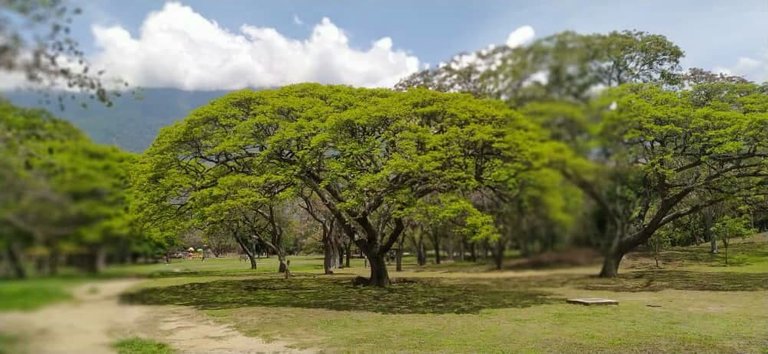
(730, 324)
(225, 266)
(34, 293)
(748, 255)
(8, 344)
(137, 345)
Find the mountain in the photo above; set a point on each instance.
(132, 122)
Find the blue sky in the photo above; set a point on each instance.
(716, 35)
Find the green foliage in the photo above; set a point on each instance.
(136, 345)
(59, 190)
(659, 154)
(566, 66)
(732, 227)
(370, 156)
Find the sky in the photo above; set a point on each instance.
(206, 45)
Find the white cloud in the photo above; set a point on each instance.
(13, 80)
(297, 20)
(749, 68)
(177, 47)
(520, 36)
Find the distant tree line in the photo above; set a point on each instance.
(597, 140)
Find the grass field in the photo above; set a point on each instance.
(694, 303)
(34, 293)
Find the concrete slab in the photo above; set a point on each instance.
(588, 301)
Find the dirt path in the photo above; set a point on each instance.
(95, 319)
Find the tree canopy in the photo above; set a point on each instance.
(648, 143)
(566, 66)
(369, 156)
(59, 189)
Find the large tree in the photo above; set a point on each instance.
(566, 66)
(663, 154)
(556, 82)
(369, 156)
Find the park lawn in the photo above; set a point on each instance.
(687, 321)
(692, 304)
(31, 294)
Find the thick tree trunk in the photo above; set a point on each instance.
(613, 256)
(376, 254)
(421, 253)
(330, 251)
(498, 255)
(341, 255)
(611, 264)
(472, 252)
(436, 244)
(708, 234)
(399, 256)
(14, 259)
(348, 254)
(283, 267)
(327, 263)
(327, 256)
(379, 273)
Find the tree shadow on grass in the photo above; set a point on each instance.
(684, 280)
(737, 257)
(409, 297)
(651, 280)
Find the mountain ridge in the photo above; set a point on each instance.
(132, 122)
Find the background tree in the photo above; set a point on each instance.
(329, 233)
(566, 67)
(667, 155)
(555, 79)
(60, 188)
(729, 227)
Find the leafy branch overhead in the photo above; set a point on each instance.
(36, 43)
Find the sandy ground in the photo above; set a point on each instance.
(95, 319)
